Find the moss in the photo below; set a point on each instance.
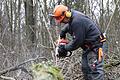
(46, 71)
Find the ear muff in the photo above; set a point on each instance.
(68, 14)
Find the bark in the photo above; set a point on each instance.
(30, 30)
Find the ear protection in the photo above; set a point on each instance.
(67, 14)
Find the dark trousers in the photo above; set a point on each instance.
(91, 67)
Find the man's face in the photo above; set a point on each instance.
(65, 20)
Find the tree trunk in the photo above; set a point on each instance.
(30, 28)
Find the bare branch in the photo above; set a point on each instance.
(49, 48)
(16, 67)
(112, 64)
(7, 78)
(111, 17)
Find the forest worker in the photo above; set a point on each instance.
(86, 35)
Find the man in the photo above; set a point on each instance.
(85, 35)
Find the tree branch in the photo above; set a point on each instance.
(112, 64)
(7, 78)
(16, 67)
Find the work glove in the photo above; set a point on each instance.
(61, 50)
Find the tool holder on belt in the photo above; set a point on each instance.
(88, 46)
(92, 45)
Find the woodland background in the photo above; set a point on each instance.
(27, 30)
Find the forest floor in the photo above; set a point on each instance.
(70, 67)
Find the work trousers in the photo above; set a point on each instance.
(92, 68)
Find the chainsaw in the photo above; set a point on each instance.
(62, 42)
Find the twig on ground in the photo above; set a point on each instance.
(7, 78)
(16, 67)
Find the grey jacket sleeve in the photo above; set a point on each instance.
(78, 36)
(64, 30)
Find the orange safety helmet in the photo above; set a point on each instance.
(59, 12)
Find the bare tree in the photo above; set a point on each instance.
(24, 23)
(30, 28)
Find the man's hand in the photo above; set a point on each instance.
(62, 42)
(61, 50)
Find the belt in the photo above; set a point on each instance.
(88, 46)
